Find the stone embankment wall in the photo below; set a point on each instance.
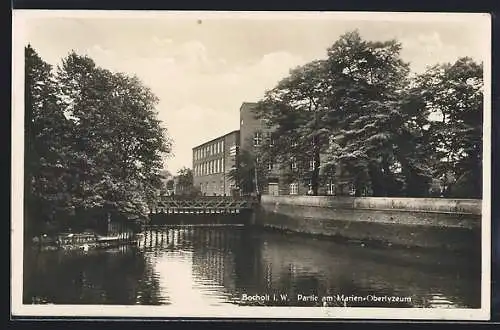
(424, 222)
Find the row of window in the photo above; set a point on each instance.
(258, 138)
(330, 189)
(210, 167)
(293, 164)
(209, 150)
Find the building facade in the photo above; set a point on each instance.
(282, 179)
(212, 162)
(254, 134)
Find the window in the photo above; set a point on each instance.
(257, 159)
(270, 166)
(294, 143)
(294, 188)
(293, 163)
(330, 188)
(257, 139)
(233, 150)
(271, 140)
(311, 165)
(352, 189)
(222, 146)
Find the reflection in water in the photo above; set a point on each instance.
(195, 267)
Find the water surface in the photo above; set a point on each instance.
(200, 266)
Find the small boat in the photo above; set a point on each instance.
(108, 238)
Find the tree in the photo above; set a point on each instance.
(47, 151)
(185, 183)
(94, 137)
(118, 140)
(349, 109)
(170, 185)
(248, 175)
(453, 96)
(367, 82)
(295, 108)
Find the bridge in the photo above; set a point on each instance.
(203, 205)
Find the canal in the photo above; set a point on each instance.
(215, 266)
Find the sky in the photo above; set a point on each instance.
(202, 66)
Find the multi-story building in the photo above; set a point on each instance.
(212, 162)
(254, 133)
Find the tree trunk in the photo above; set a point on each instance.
(375, 178)
(315, 173)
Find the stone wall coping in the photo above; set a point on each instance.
(404, 204)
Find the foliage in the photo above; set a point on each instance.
(295, 107)
(95, 140)
(453, 95)
(185, 183)
(246, 172)
(358, 117)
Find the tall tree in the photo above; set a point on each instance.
(47, 151)
(118, 140)
(453, 95)
(296, 109)
(349, 109)
(93, 139)
(367, 80)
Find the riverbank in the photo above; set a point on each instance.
(453, 224)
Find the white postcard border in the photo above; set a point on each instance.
(18, 309)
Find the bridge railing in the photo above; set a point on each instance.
(209, 198)
(203, 204)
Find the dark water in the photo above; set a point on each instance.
(200, 266)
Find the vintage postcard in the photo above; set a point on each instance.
(251, 165)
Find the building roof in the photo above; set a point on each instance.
(248, 105)
(217, 138)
